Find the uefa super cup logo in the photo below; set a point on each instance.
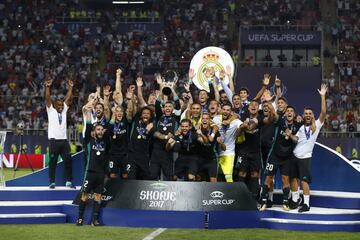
(210, 64)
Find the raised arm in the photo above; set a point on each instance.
(278, 92)
(191, 75)
(176, 99)
(188, 92)
(322, 93)
(89, 127)
(216, 88)
(211, 79)
(231, 80)
(117, 95)
(131, 106)
(98, 94)
(266, 82)
(139, 84)
(69, 92)
(48, 84)
(107, 106)
(90, 104)
(158, 111)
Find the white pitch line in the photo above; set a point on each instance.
(154, 234)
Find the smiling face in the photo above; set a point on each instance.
(236, 101)
(203, 96)
(205, 121)
(266, 108)
(151, 99)
(290, 114)
(213, 107)
(243, 95)
(282, 105)
(59, 106)
(99, 131)
(185, 127)
(308, 116)
(195, 110)
(253, 108)
(119, 113)
(99, 110)
(226, 112)
(223, 98)
(168, 109)
(145, 115)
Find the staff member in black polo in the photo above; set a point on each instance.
(58, 144)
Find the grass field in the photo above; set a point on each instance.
(9, 173)
(69, 231)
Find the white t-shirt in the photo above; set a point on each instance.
(57, 122)
(228, 135)
(304, 147)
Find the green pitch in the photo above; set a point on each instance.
(9, 173)
(70, 231)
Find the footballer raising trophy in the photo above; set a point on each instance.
(170, 79)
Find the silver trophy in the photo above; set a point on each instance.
(170, 79)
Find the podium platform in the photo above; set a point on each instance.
(335, 201)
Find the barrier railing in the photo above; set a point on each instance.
(278, 64)
(72, 134)
(338, 134)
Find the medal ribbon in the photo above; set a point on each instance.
(307, 133)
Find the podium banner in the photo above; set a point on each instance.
(176, 196)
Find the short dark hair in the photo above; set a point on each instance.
(96, 124)
(147, 108)
(290, 106)
(283, 98)
(235, 95)
(213, 100)
(308, 108)
(227, 104)
(99, 103)
(206, 113)
(196, 103)
(244, 89)
(169, 102)
(186, 120)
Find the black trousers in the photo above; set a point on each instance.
(59, 148)
(162, 160)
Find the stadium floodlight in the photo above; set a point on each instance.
(138, 2)
(120, 2)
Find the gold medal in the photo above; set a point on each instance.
(98, 153)
(114, 136)
(164, 128)
(139, 136)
